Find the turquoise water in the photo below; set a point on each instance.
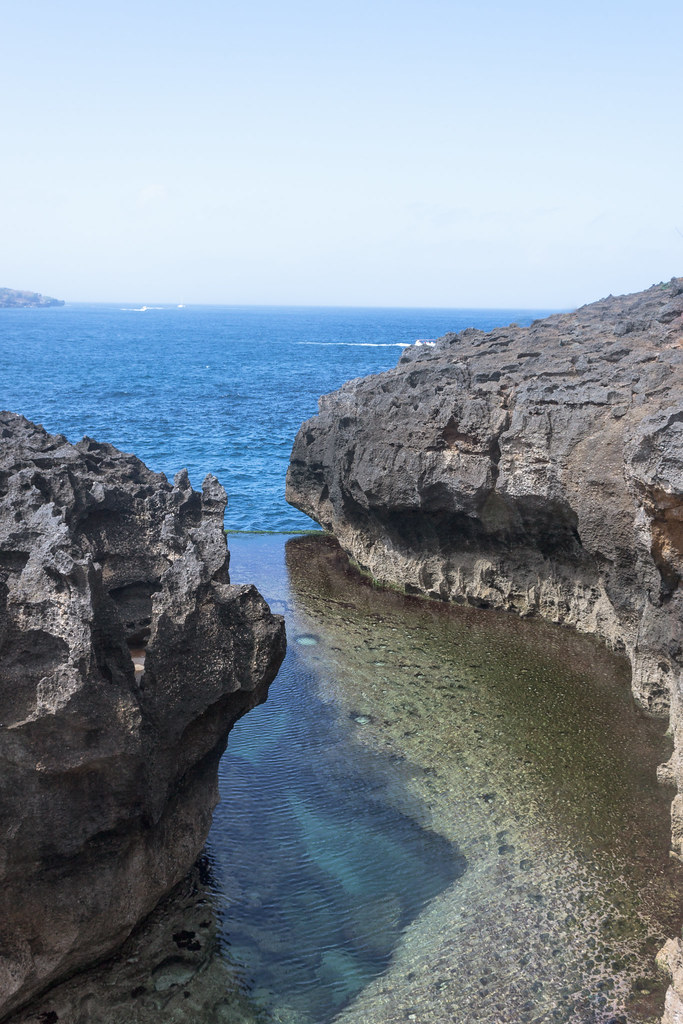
(321, 870)
(220, 389)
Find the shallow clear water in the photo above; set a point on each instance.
(321, 870)
(517, 743)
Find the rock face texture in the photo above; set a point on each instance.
(535, 469)
(108, 776)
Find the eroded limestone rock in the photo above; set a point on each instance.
(107, 783)
(534, 469)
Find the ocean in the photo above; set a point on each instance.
(440, 813)
(216, 389)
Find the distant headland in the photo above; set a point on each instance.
(10, 298)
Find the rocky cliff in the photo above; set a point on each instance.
(535, 469)
(108, 769)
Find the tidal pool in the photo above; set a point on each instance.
(440, 815)
(519, 744)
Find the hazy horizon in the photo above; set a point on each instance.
(152, 304)
(382, 155)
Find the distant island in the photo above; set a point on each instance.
(10, 298)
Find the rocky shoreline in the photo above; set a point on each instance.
(539, 470)
(108, 777)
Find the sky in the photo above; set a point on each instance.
(455, 154)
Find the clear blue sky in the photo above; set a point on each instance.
(436, 153)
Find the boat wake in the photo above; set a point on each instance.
(139, 309)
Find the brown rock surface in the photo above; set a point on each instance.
(534, 469)
(108, 781)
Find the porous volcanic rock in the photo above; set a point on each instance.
(108, 781)
(534, 469)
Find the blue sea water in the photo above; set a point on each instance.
(220, 389)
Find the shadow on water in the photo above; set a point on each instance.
(324, 873)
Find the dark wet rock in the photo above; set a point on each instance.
(538, 470)
(123, 989)
(107, 783)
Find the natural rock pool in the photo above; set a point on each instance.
(440, 814)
